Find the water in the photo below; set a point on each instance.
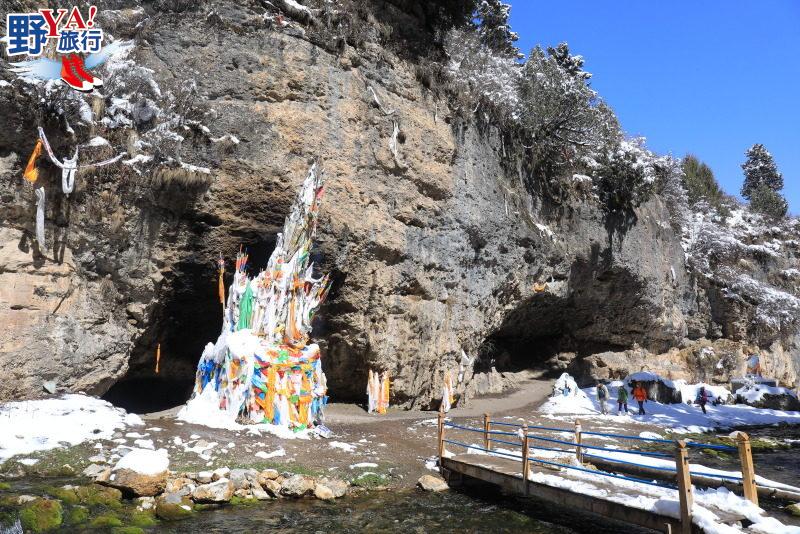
(408, 512)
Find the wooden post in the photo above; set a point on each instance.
(578, 448)
(441, 437)
(748, 471)
(487, 423)
(684, 485)
(525, 462)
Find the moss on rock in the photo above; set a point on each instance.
(41, 515)
(106, 521)
(173, 511)
(65, 495)
(95, 494)
(139, 518)
(77, 515)
(128, 530)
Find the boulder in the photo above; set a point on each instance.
(337, 486)
(323, 492)
(240, 479)
(259, 493)
(172, 507)
(272, 487)
(793, 509)
(138, 484)
(145, 503)
(220, 473)
(432, 483)
(181, 486)
(219, 491)
(265, 475)
(93, 470)
(204, 477)
(141, 472)
(297, 486)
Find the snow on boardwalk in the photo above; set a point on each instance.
(716, 511)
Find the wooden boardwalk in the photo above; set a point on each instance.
(507, 474)
(565, 477)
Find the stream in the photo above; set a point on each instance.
(409, 511)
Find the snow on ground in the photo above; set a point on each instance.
(274, 454)
(567, 398)
(347, 447)
(363, 465)
(144, 461)
(679, 418)
(39, 425)
(204, 410)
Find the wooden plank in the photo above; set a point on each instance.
(748, 471)
(684, 485)
(564, 497)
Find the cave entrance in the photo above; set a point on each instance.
(597, 308)
(529, 336)
(189, 317)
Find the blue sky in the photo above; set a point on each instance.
(709, 77)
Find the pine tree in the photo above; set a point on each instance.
(494, 29)
(698, 178)
(571, 64)
(759, 168)
(768, 202)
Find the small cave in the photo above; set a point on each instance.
(595, 309)
(189, 317)
(529, 336)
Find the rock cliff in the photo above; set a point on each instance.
(432, 225)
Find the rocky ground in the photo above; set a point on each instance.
(209, 468)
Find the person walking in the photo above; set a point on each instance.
(622, 399)
(602, 397)
(640, 394)
(702, 398)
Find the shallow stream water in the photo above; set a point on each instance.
(410, 512)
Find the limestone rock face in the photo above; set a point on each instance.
(432, 251)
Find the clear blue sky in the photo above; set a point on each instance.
(707, 77)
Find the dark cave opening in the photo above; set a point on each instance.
(189, 317)
(529, 336)
(597, 308)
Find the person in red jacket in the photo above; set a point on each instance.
(640, 394)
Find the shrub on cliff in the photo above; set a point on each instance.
(700, 181)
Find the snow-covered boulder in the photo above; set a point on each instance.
(764, 396)
(659, 389)
(690, 392)
(141, 472)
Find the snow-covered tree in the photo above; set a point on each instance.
(571, 64)
(494, 29)
(625, 173)
(482, 75)
(557, 108)
(768, 202)
(670, 184)
(759, 168)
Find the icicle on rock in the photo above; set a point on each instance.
(262, 369)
